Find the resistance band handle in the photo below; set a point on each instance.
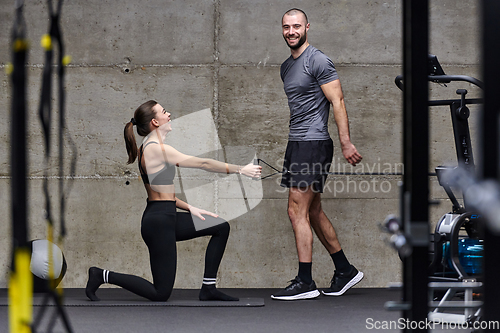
(255, 162)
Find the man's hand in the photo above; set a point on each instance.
(351, 154)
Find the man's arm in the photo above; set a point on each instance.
(333, 92)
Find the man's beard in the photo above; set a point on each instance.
(301, 42)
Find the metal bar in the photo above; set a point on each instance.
(489, 168)
(467, 300)
(456, 305)
(461, 134)
(416, 157)
(450, 293)
(448, 78)
(457, 285)
(397, 306)
(443, 79)
(444, 102)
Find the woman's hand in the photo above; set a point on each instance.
(197, 212)
(251, 170)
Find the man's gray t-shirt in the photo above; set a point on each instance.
(309, 107)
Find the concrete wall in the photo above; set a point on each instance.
(224, 56)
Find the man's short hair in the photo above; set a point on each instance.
(295, 11)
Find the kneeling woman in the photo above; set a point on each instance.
(161, 224)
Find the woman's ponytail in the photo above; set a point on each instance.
(142, 117)
(130, 143)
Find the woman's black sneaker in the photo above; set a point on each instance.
(297, 290)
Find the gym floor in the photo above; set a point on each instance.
(359, 310)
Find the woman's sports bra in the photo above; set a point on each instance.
(163, 177)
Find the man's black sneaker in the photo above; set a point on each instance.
(341, 282)
(297, 290)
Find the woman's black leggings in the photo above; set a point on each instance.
(161, 228)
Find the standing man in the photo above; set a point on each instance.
(311, 84)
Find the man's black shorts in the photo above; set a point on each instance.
(307, 163)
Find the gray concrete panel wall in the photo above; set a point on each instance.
(214, 64)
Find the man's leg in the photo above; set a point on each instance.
(322, 226)
(299, 202)
(302, 287)
(345, 275)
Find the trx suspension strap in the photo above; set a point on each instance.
(48, 42)
(20, 280)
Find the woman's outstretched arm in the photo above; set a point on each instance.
(172, 156)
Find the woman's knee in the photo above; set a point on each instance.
(224, 228)
(220, 227)
(162, 296)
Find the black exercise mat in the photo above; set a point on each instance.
(119, 297)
